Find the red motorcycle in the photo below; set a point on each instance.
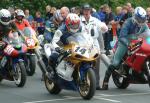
(135, 65)
(12, 66)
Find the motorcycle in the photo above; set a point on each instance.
(31, 41)
(12, 66)
(135, 65)
(74, 68)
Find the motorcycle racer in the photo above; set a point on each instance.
(131, 29)
(5, 26)
(20, 22)
(61, 37)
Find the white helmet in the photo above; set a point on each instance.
(19, 15)
(5, 16)
(20, 12)
(139, 15)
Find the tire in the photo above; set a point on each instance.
(147, 73)
(1, 78)
(20, 74)
(51, 86)
(31, 62)
(119, 81)
(88, 93)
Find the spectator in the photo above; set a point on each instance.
(148, 16)
(95, 14)
(12, 12)
(125, 15)
(53, 9)
(102, 12)
(64, 11)
(48, 14)
(77, 10)
(93, 27)
(118, 18)
(109, 19)
(130, 9)
(72, 10)
(28, 16)
(39, 21)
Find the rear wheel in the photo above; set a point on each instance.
(20, 74)
(87, 87)
(119, 81)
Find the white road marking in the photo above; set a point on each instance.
(42, 101)
(111, 100)
(107, 95)
(98, 96)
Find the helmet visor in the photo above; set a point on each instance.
(140, 19)
(75, 26)
(5, 19)
(19, 17)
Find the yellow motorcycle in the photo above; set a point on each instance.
(32, 43)
(74, 69)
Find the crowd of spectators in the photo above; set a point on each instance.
(113, 19)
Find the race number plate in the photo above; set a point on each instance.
(30, 42)
(81, 51)
(9, 49)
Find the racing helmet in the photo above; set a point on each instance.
(5, 17)
(72, 22)
(139, 16)
(57, 16)
(19, 15)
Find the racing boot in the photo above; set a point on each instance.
(107, 76)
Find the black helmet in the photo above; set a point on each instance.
(86, 6)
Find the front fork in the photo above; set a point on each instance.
(14, 64)
(82, 70)
(40, 61)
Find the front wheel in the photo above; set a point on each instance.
(51, 84)
(31, 65)
(20, 74)
(147, 70)
(87, 87)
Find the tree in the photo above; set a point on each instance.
(34, 5)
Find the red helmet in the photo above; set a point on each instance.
(72, 22)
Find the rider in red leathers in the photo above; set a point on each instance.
(20, 22)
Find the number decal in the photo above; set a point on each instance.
(30, 42)
(76, 50)
(83, 51)
(80, 50)
(9, 49)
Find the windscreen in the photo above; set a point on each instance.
(81, 39)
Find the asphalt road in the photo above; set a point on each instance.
(35, 92)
